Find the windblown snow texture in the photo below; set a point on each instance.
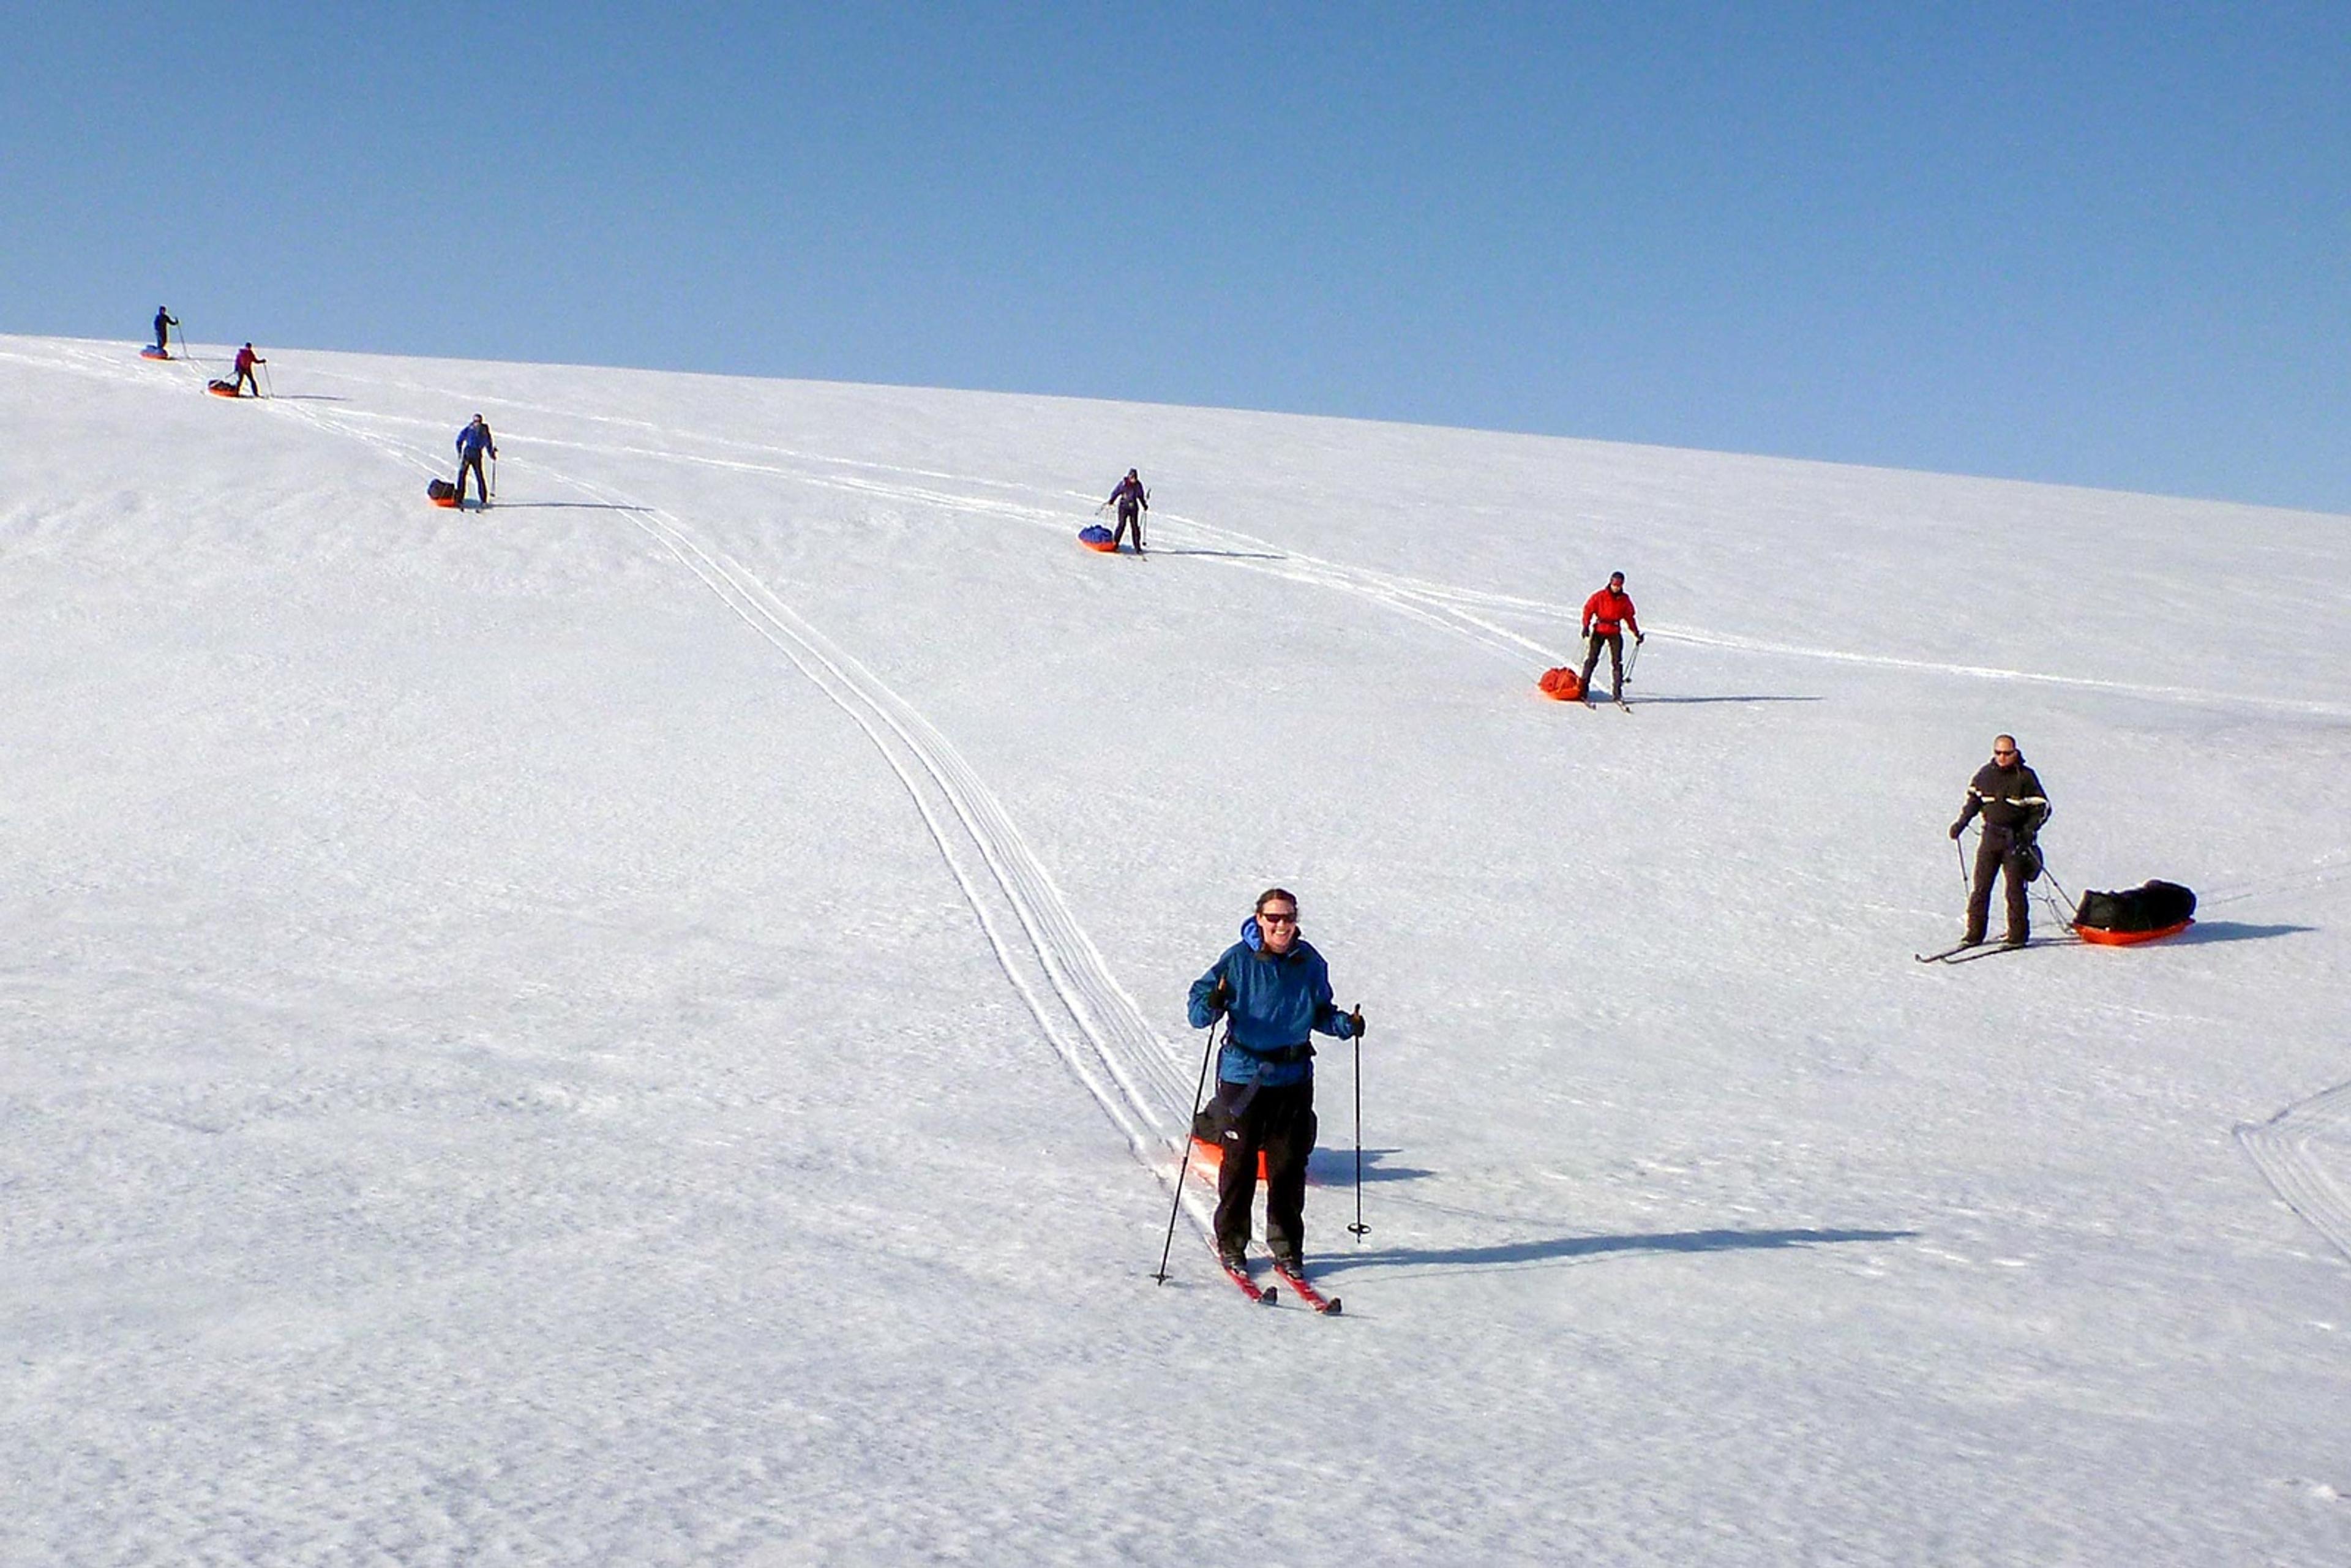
(646, 1024)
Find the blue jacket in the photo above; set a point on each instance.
(1275, 1002)
(474, 438)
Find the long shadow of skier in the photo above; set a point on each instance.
(1652, 701)
(568, 507)
(1509, 1254)
(1219, 554)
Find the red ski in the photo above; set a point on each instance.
(1327, 1305)
(1261, 1294)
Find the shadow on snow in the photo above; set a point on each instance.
(568, 507)
(1652, 701)
(1507, 1253)
(1336, 1167)
(2235, 931)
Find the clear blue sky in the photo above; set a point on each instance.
(2100, 245)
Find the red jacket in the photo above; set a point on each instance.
(1606, 609)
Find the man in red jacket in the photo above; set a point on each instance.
(1605, 614)
(246, 360)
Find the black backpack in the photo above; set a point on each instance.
(2154, 906)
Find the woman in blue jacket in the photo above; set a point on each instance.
(1273, 990)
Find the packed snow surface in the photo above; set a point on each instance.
(645, 1025)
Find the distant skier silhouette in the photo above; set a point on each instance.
(245, 360)
(472, 442)
(1131, 501)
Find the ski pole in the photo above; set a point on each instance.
(1959, 849)
(1359, 1229)
(267, 389)
(494, 474)
(1631, 663)
(1184, 1173)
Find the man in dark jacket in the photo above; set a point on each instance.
(472, 442)
(1274, 988)
(2009, 796)
(165, 322)
(1131, 501)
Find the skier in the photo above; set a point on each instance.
(2008, 794)
(1131, 503)
(165, 322)
(1606, 614)
(1273, 987)
(472, 442)
(245, 360)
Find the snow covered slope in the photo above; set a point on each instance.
(646, 1025)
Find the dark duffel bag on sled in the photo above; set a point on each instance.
(440, 490)
(2157, 906)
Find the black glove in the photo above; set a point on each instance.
(1356, 1018)
(1639, 638)
(1221, 997)
(1956, 829)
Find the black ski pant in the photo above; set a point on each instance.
(1614, 642)
(474, 462)
(1129, 516)
(2000, 852)
(244, 379)
(1281, 1123)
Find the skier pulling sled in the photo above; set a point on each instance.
(246, 360)
(162, 348)
(1131, 501)
(473, 441)
(1273, 991)
(1605, 615)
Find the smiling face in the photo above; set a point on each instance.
(1276, 922)
(2003, 750)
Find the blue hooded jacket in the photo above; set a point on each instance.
(1276, 1001)
(473, 439)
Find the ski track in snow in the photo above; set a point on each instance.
(1092, 1021)
(1468, 612)
(2280, 1148)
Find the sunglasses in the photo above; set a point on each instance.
(1274, 918)
(2001, 751)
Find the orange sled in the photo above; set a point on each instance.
(220, 389)
(2099, 938)
(1212, 1156)
(1562, 685)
